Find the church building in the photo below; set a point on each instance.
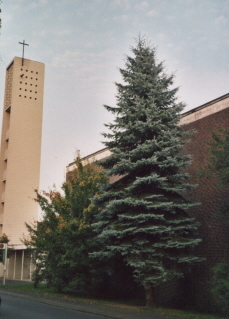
(20, 159)
(214, 227)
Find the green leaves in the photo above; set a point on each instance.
(217, 166)
(220, 286)
(62, 241)
(218, 159)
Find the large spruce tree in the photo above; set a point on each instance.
(143, 216)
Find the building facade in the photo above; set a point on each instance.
(195, 290)
(20, 158)
(214, 226)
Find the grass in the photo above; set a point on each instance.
(43, 291)
(184, 314)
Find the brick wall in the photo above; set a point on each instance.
(194, 291)
(214, 229)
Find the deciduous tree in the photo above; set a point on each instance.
(63, 239)
(217, 165)
(218, 157)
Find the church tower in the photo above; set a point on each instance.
(20, 156)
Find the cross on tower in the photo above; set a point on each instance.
(23, 43)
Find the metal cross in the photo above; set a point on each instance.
(23, 43)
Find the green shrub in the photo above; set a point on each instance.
(220, 287)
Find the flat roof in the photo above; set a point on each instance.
(9, 65)
(205, 105)
(182, 115)
(90, 155)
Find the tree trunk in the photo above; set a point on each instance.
(150, 301)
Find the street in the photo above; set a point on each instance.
(16, 308)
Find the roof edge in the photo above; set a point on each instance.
(205, 105)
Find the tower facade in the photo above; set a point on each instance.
(20, 147)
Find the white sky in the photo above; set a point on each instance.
(83, 43)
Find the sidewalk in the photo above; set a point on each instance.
(88, 306)
(15, 282)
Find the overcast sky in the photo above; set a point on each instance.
(83, 43)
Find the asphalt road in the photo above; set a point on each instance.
(17, 308)
(18, 305)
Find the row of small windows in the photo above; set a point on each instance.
(29, 97)
(26, 84)
(29, 91)
(28, 71)
(30, 78)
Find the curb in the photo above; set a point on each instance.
(103, 310)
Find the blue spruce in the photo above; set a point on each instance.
(143, 216)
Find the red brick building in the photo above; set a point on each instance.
(195, 290)
(214, 229)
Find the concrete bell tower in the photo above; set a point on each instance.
(20, 156)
